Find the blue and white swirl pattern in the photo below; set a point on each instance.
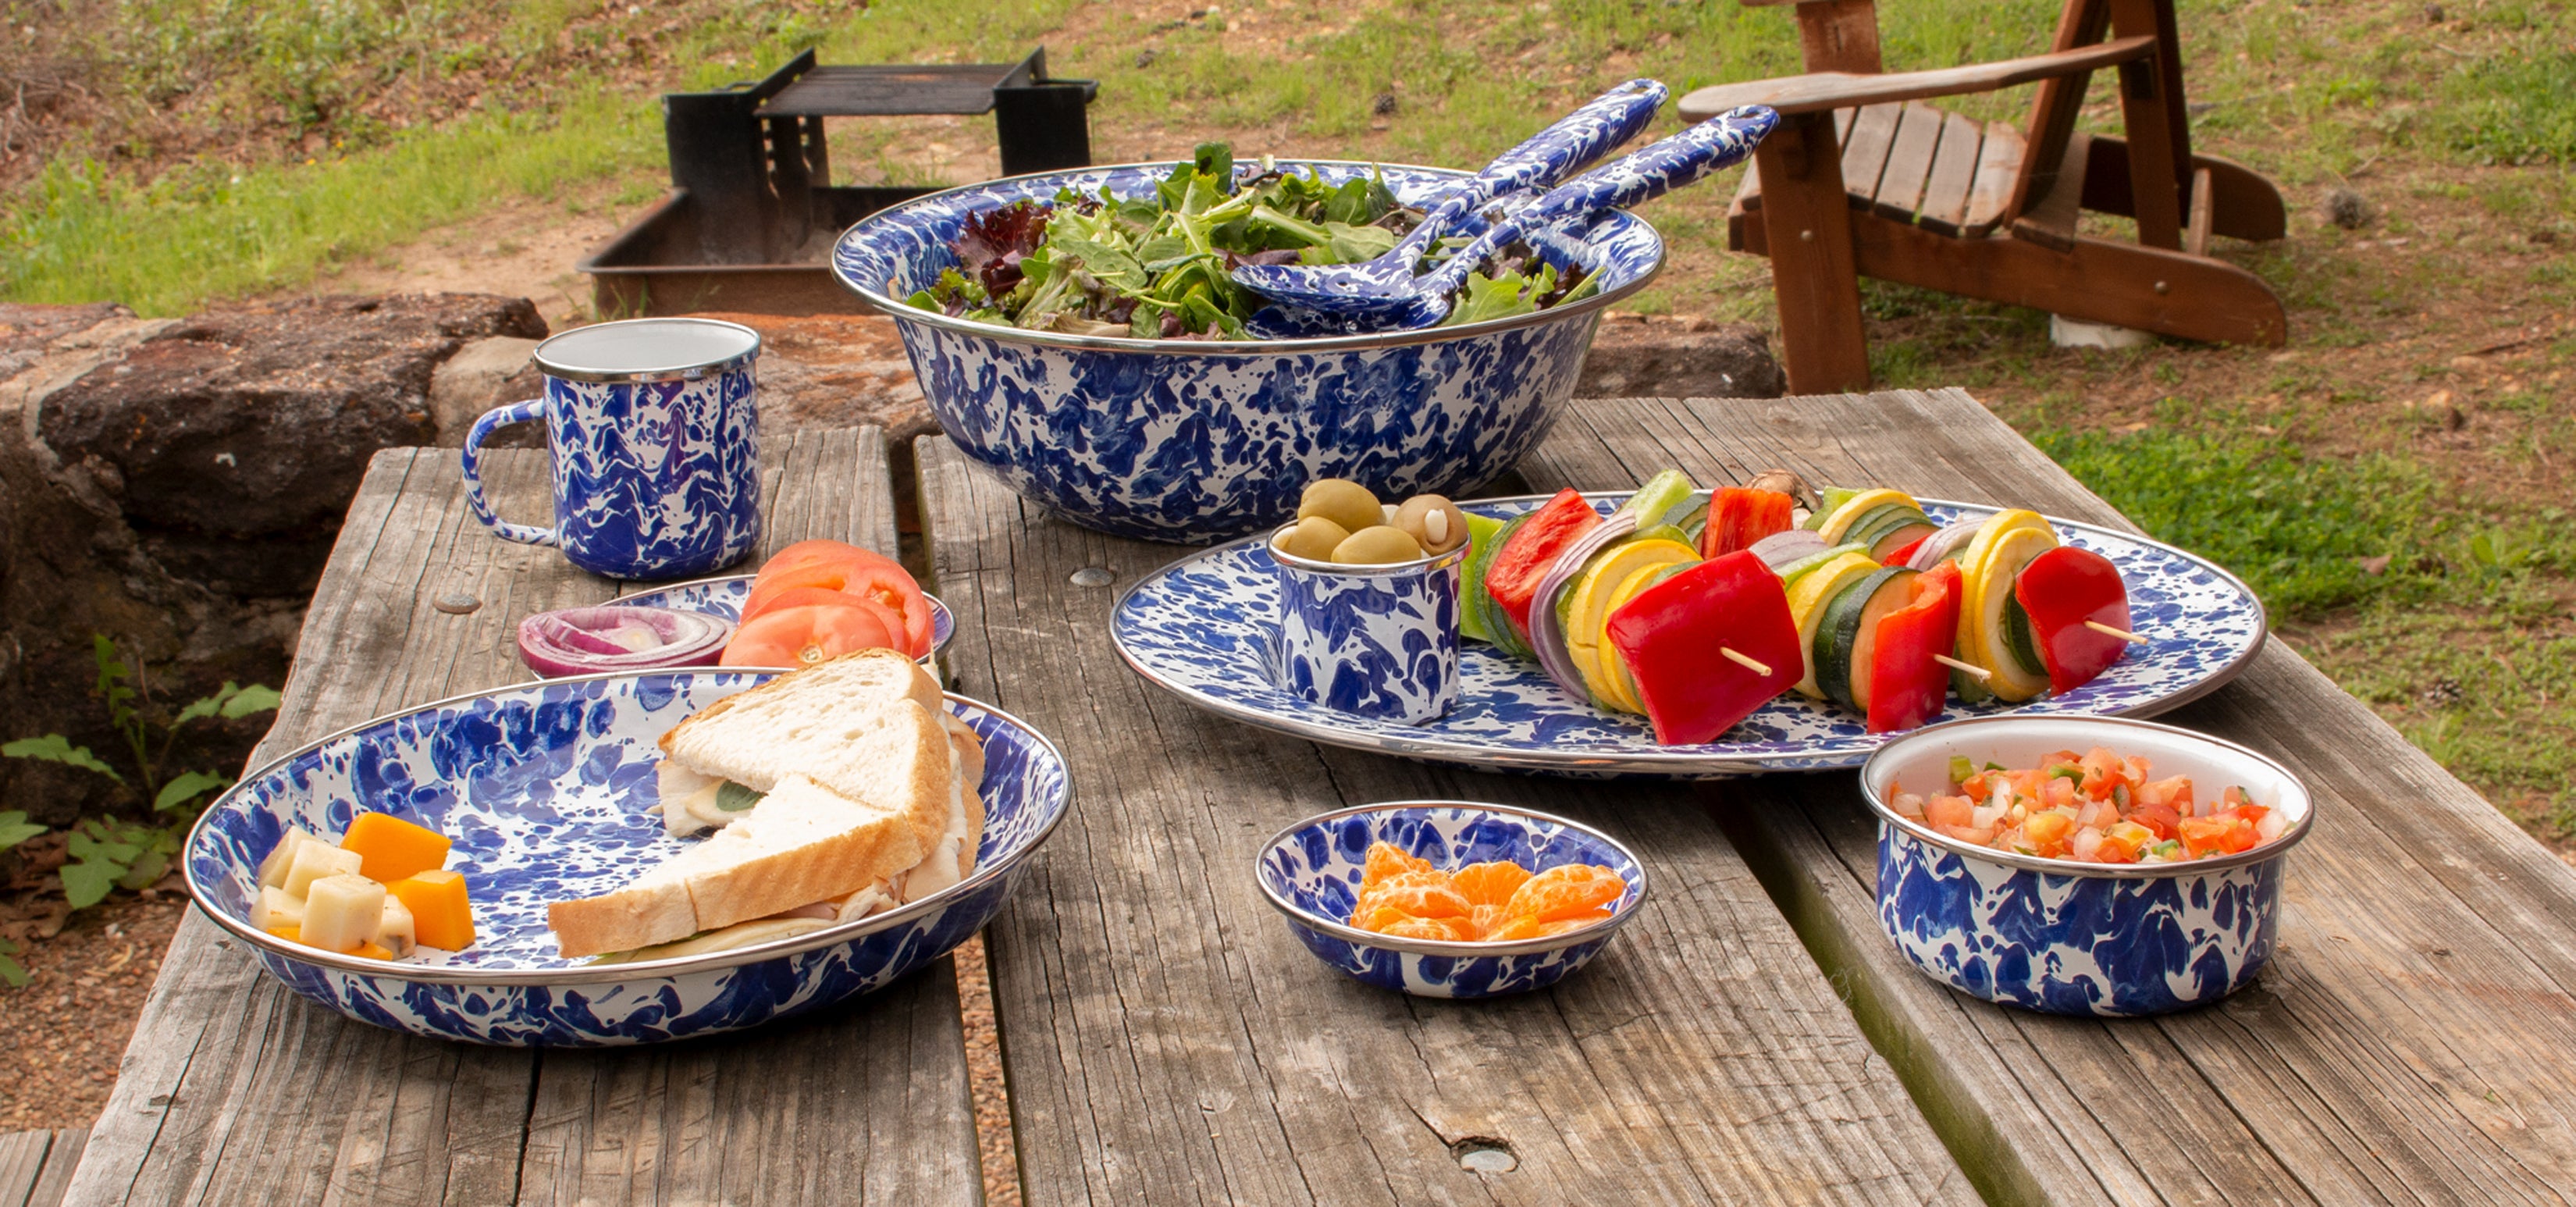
(724, 597)
(657, 479)
(1376, 642)
(1311, 873)
(2076, 944)
(542, 788)
(1202, 628)
(1191, 441)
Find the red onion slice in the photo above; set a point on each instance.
(1950, 539)
(1781, 548)
(589, 641)
(1547, 638)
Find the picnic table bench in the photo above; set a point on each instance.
(1751, 1037)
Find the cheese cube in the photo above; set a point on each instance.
(272, 870)
(342, 911)
(275, 909)
(315, 860)
(395, 932)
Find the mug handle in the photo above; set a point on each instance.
(493, 420)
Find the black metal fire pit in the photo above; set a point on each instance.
(751, 214)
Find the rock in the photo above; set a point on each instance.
(836, 370)
(2346, 208)
(488, 373)
(231, 442)
(1683, 358)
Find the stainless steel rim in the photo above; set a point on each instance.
(938, 644)
(1438, 947)
(689, 372)
(1642, 762)
(2068, 867)
(431, 974)
(895, 307)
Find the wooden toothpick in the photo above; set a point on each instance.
(2108, 631)
(1745, 660)
(1978, 673)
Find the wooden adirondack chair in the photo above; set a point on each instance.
(1861, 177)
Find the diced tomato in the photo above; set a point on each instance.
(2209, 835)
(1949, 811)
(2173, 792)
(866, 575)
(2101, 771)
(2059, 792)
(803, 636)
(2160, 819)
(2048, 833)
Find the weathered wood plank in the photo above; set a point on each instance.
(2413, 1035)
(22, 1160)
(1954, 169)
(233, 1090)
(61, 1158)
(1998, 171)
(1909, 162)
(1167, 1040)
(1865, 150)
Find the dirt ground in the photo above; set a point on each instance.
(62, 1037)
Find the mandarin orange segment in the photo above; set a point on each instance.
(1489, 883)
(1564, 892)
(1485, 918)
(1385, 859)
(1451, 930)
(1531, 928)
(1422, 900)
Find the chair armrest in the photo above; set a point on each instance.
(1824, 90)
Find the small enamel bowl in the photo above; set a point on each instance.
(1378, 641)
(2063, 937)
(1311, 874)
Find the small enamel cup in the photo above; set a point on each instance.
(1379, 641)
(655, 429)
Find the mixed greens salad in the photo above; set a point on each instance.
(1159, 266)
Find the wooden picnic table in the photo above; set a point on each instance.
(1750, 1037)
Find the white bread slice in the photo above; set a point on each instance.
(755, 737)
(872, 795)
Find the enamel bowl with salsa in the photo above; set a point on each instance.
(2082, 865)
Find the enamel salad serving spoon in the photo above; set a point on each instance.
(1574, 142)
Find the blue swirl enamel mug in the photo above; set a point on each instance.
(655, 428)
(2065, 937)
(1378, 641)
(543, 788)
(1204, 440)
(1310, 872)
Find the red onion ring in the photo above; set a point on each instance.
(576, 641)
(1545, 638)
(1941, 544)
(1781, 548)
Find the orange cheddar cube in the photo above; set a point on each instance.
(393, 848)
(292, 934)
(441, 917)
(369, 951)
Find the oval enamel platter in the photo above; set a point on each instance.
(723, 597)
(1202, 629)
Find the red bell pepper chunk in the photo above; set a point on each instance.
(1737, 517)
(2061, 589)
(1904, 553)
(1906, 687)
(1518, 566)
(1673, 635)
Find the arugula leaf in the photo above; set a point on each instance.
(1500, 296)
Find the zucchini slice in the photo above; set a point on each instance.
(1987, 579)
(1807, 600)
(1847, 639)
(1791, 573)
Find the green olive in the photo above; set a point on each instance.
(1378, 545)
(1433, 522)
(1314, 538)
(1342, 501)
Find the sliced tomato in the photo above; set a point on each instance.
(803, 636)
(809, 552)
(808, 597)
(874, 579)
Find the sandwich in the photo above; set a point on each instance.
(837, 791)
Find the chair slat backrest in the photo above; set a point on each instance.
(1835, 35)
(2054, 110)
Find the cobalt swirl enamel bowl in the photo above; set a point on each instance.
(1310, 872)
(1196, 441)
(542, 787)
(2063, 937)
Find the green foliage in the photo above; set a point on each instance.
(10, 972)
(106, 854)
(2295, 527)
(2514, 108)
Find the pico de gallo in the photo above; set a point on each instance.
(2098, 807)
